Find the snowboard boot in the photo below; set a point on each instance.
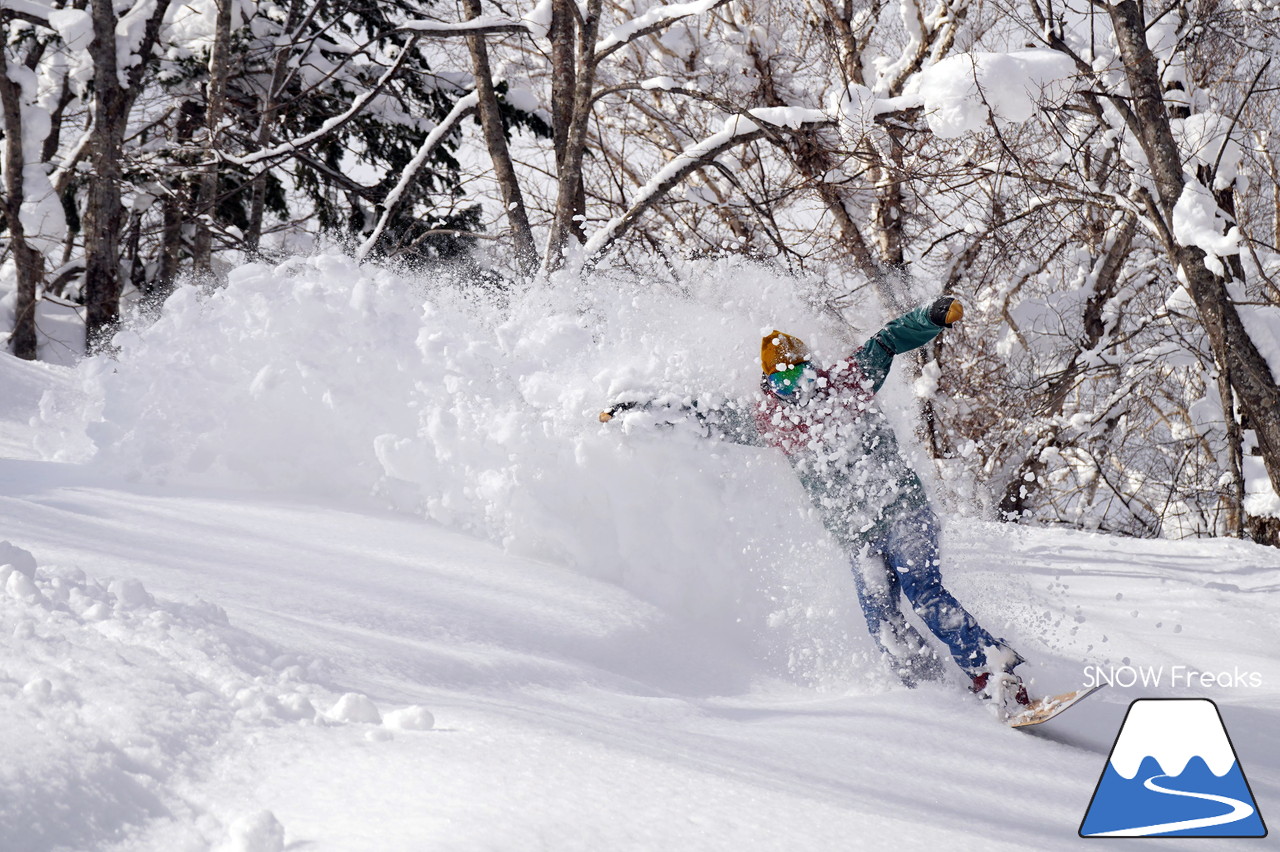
(1004, 690)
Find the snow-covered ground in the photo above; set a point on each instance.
(225, 638)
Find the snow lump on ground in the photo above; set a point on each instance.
(109, 696)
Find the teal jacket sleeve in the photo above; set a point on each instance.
(909, 331)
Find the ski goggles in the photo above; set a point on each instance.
(785, 383)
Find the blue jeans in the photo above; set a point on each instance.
(904, 559)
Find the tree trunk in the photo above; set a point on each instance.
(1233, 349)
(28, 263)
(495, 139)
(1265, 530)
(563, 73)
(266, 126)
(215, 108)
(814, 161)
(837, 23)
(570, 193)
(131, 253)
(888, 208)
(53, 140)
(170, 251)
(1275, 199)
(564, 77)
(1235, 462)
(104, 213)
(1026, 480)
(172, 209)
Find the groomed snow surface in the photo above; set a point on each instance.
(336, 559)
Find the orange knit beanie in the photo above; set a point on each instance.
(779, 351)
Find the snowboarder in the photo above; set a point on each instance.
(870, 499)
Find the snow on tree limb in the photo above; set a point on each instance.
(738, 130)
(286, 148)
(964, 92)
(652, 21)
(35, 13)
(464, 107)
(486, 25)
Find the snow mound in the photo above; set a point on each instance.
(354, 707)
(259, 832)
(411, 718)
(108, 693)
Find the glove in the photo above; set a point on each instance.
(607, 414)
(946, 312)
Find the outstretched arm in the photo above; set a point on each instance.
(730, 421)
(910, 331)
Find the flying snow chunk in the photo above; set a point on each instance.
(962, 92)
(354, 707)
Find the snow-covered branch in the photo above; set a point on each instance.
(34, 13)
(738, 130)
(652, 21)
(390, 206)
(285, 149)
(487, 25)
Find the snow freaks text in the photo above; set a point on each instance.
(1126, 676)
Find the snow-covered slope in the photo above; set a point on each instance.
(224, 649)
(568, 713)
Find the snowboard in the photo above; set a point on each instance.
(1043, 709)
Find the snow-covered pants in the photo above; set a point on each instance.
(904, 559)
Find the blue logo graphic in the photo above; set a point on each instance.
(1173, 773)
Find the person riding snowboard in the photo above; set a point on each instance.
(870, 499)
